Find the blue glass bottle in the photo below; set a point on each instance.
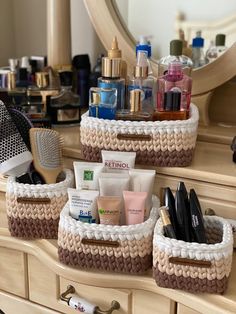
(111, 71)
(102, 102)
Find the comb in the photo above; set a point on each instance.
(46, 148)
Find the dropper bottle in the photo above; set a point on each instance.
(115, 52)
(141, 80)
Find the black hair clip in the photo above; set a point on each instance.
(233, 147)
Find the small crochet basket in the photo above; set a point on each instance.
(33, 211)
(159, 143)
(194, 267)
(105, 247)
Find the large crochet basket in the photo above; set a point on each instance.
(105, 247)
(33, 210)
(194, 267)
(159, 143)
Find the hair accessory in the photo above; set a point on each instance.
(46, 148)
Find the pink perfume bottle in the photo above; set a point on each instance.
(174, 91)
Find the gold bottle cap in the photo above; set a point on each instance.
(96, 99)
(111, 68)
(140, 72)
(135, 100)
(114, 52)
(11, 80)
(42, 79)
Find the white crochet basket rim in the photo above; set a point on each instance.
(12, 185)
(123, 126)
(78, 227)
(178, 246)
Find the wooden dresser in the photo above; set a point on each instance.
(32, 278)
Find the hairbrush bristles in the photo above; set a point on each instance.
(46, 146)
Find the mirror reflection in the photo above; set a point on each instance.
(197, 22)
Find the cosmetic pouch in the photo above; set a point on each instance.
(194, 267)
(33, 210)
(112, 248)
(159, 143)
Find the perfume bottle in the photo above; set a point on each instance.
(136, 112)
(111, 78)
(102, 102)
(144, 44)
(64, 108)
(141, 80)
(174, 94)
(176, 47)
(216, 50)
(198, 55)
(115, 52)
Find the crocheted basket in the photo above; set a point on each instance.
(33, 210)
(194, 267)
(159, 143)
(105, 247)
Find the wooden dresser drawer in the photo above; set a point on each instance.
(147, 302)
(182, 309)
(45, 288)
(13, 272)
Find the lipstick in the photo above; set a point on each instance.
(168, 228)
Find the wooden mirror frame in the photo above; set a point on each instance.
(107, 23)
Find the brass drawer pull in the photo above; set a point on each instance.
(82, 305)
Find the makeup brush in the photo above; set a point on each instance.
(46, 147)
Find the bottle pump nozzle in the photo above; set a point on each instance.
(114, 52)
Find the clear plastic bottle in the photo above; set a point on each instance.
(64, 109)
(216, 50)
(141, 80)
(176, 47)
(198, 55)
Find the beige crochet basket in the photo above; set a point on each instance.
(33, 210)
(159, 143)
(194, 267)
(105, 247)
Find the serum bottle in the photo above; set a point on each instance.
(174, 94)
(111, 78)
(142, 81)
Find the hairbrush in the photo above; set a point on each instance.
(46, 147)
(15, 158)
(23, 125)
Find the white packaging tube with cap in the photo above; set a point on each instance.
(143, 181)
(118, 161)
(86, 174)
(113, 184)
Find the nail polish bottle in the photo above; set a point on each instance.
(141, 80)
(174, 94)
(102, 102)
(111, 78)
(135, 112)
(176, 48)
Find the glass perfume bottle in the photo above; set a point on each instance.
(176, 47)
(111, 78)
(216, 50)
(141, 80)
(198, 55)
(136, 112)
(102, 102)
(174, 94)
(64, 108)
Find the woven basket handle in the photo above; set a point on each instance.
(100, 242)
(189, 262)
(32, 200)
(134, 137)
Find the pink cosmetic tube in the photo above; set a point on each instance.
(134, 206)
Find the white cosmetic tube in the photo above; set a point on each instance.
(113, 184)
(118, 161)
(143, 181)
(83, 205)
(86, 175)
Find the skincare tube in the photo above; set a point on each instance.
(113, 184)
(134, 206)
(109, 208)
(83, 205)
(118, 161)
(86, 175)
(143, 181)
